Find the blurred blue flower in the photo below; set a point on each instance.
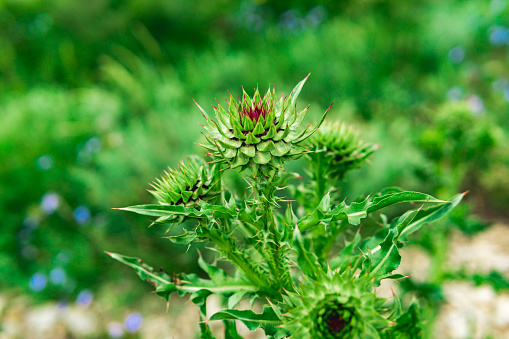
(50, 202)
(252, 16)
(455, 94)
(25, 235)
(63, 257)
(44, 162)
(115, 330)
(500, 84)
(62, 306)
(133, 322)
(81, 215)
(457, 54)
(506, 94)
(254, 22)
(31, 222)
(38, 282)
(316, 15)
(499, 36)
(291, 21)
(93, 145)
(476, 104)
(84, 298)
(57, 276)
(40, 24)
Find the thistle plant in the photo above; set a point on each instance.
(304, 262)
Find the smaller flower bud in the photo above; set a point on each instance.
(339, 148)
(192, 182)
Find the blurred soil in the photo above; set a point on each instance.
(470, 311)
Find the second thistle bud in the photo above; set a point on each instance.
(338, 148)
(192, 182)
(260, 133)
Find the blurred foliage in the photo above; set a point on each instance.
(96, 101)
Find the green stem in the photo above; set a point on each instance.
(238, 258)
(253, 239)
(279, 268)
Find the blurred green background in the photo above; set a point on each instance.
(96, 99)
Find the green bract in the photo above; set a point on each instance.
(258, 133)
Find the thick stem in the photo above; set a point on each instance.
(279, 267)
(238, 258)
(253, 238)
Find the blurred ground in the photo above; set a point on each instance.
(469, 311)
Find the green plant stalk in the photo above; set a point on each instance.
(238, 258)
(280, 270)
(254, 239)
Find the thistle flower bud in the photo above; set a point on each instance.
(192, 182)
(257, 133)
(340, 149)
(336, 306)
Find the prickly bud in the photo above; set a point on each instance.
(338, 148)
(337, 306)
(192, 182)
(258, 133)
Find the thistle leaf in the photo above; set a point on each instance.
(430, 215)
(296, 91)
(207, 211)
(387, 259)
(251, 139)
(161, 281)
(236, 298)
(265, 146)
(259, 127)
(380, 202)
(268, 319)
(183, 239)
(239, 161)
(357, 211)
(163, 210)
